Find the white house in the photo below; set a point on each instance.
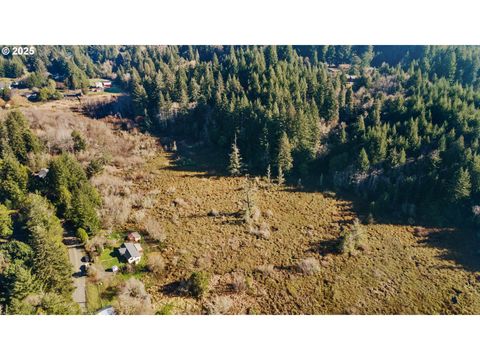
(132, 252)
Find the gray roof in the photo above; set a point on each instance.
(129, 250)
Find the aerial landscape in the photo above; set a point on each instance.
(240, 180)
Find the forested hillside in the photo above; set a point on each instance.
(395, 125)
(35, 272)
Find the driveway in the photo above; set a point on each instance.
(76, 252)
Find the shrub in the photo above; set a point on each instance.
(166, 309)
(155, 263)
(220, 305)
(262, 230)
(82, 235)
(266, 269)
(79, 143)
(133, 299)
(95, 166)
(352, 239)
(93, 273)
(198, 284)
(308, 266)
(154, 230)
(213, 213)
(238, 283)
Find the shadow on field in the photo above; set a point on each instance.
(459, 246)
(326, 247)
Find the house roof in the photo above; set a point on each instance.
(135, 235)
(130, 250)
(109, 310)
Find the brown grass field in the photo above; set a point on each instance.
(287, 263)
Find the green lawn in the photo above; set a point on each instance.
(109, 258)
(94, 302)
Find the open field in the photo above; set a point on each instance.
(402, 269)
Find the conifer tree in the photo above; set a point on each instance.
(363, 162)
(461, 185)
(6, 222)
(235, 166)
(45, 233)
(285, 160)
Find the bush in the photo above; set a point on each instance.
(154, 230)
(238, 283)
(166, 309)
(155, 263)
(198, 284)
(352, 239)
(133, 299)
(220, 305)
(96, 166)
(93, 273)
(262, 230)
(82, 235)
(79, 143)
(308, 266)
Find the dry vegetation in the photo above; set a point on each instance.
(299, 267)
(289, 252)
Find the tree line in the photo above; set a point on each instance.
(35, 272)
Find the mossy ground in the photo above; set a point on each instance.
(400, 271)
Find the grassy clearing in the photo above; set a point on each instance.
(395, 272)
(94, 301)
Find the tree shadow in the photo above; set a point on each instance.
(458, 245)
(175, 288)
(325, 247)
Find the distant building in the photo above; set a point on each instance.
(5, 85)
(107, 84)
(132, 252)
(134, 236)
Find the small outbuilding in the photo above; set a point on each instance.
(42, 174)
(132, 252)
(134, 236)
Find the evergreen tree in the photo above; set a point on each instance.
(461, 185)
(6, 224)
(50, 263)
(285, 160)
(235, 165)
(363, 162)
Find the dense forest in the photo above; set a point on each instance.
(35, 273)
(395, 126)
